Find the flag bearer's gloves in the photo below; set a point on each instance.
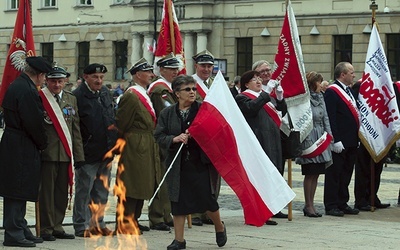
(271, 85)
(338, 147)
(279, 93)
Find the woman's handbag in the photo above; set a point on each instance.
(291, 145)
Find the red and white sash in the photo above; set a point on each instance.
(145, 100)
(54, 112)
(318, 147)
(350, 102)
(202, 89)
(159, 82)
(268, 107)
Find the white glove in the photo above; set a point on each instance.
(338, 147)
(270, 86)
(279, 93)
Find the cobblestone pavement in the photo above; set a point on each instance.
(368, 230)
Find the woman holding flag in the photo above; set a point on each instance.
(316, 154)
(191, 179)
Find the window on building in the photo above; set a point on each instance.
(393, 55)
(48, 51)
(244, 52)
(83, 56)
(84, 2)
(49, 3)
(12, 4)
(121, 60)
(343, 49)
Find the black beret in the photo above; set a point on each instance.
(95, 68)
(39, 64)
(141, 65)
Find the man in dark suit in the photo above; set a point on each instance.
(236, 86)
(344, 119)
(65, 143)
(362, 175)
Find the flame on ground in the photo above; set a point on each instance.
(127, 234)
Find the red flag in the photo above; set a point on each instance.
(289, 70)
(22, 46)
(224, 135)
(169, 39)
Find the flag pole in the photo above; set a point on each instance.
(165, 175)
(290, 205)
(171, 25)
(373, 7)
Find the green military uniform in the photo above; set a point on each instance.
(160, 210)
(140, 157)
(53, 196)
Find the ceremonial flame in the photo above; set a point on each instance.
(127, 234)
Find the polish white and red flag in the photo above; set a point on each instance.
(170, 39)
(379, 124)
(224, 135)
(289, 70)
(22, 46)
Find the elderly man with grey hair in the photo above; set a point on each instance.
(268, 85)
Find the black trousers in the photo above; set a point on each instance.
(362, 182)
(14, 223)
(337, 179)
(132, 210)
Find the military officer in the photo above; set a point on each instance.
(204, 65)
(65, 144)
(140, 158)
(162, 96)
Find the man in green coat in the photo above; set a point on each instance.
(140, 159)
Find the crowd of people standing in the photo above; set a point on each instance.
(62, 138)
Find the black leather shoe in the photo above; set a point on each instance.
(84, 234)
(48, 237)
(335, 212)
(271, 223)
(143, 228)
(221, 237)
(208, 222)
(176, 245)
(19, 243)
(63, 235)
(382, 205)
(280, 215)
(349, 210)
(161, 227)
(170, 224)
(34, 239)
(363, 208)
(197, 221)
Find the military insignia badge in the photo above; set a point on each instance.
(47, 118)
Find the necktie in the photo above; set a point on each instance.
(349, 93)
(205, 83)
(57, 97)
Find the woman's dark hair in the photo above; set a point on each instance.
(312, 79)
(182, 80)
(246, 78)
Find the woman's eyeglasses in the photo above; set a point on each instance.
(188, 89)
(254, 79)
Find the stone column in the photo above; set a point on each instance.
(201, 41)
(136, 48)
(148, 40)
(189, 52)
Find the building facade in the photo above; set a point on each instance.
(75, 33)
